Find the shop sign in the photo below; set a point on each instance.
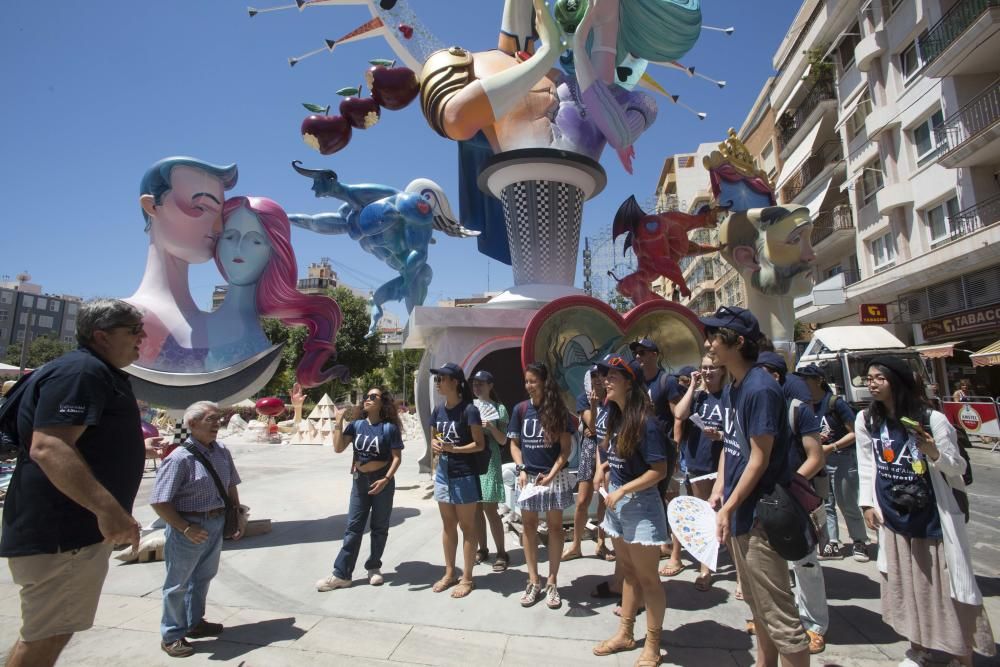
(969, 321)
(976, 417)
(874, 313)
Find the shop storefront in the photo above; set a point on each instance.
(959, 347)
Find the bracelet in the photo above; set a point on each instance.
(186, 529)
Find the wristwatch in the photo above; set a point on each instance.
(519, 468)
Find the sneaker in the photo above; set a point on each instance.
(503, 510)
(831, 552)
(552, 599)
(915, 658)
(816, 642)
(205, 629)
(375, 577)
(531, 595)
(332, 583)
(860, 552)
(177, 649)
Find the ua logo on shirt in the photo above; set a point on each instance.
(531, 429)
(715, 415)
(448, 431)
(366, 443)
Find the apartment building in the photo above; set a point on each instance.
(25, 310)
(901, 127)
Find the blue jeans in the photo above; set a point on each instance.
(842, 467)
(190, 569)
(363, 504)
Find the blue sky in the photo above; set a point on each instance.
(97, 93)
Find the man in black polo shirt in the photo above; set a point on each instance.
(79, 466)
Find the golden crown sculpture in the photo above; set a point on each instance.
(734, 153)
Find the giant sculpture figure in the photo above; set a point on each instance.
(393, 225)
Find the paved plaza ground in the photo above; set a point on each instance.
(264, 592)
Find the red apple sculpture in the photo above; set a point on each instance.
(270, 406)
(360, 112)
(392, 87)
(327, 134)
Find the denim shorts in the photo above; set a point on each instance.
(456, 490)
(638, 518)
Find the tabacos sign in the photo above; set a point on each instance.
(981, 319)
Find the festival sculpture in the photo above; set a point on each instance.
(224, 356)
(659, 241)
(396, 226)
(769, 245)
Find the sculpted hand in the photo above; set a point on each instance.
(298, 396)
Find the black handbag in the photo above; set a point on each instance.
(232, 511)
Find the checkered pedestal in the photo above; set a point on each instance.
(542, 191)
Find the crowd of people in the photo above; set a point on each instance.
(740, 432)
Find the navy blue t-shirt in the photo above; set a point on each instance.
(796, 387)
(373, 442)
(806, 422)
(652, 449)
(923, 523)
(600, 421)
(834, 426)
(452, 426)
(664, 389)
(753, 408)
(537, 454)
(701, 452)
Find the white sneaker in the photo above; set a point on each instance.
(375, 577)
(503, 510)
(332, 583)
(915, 658)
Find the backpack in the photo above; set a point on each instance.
(831, 413)
(961, 497)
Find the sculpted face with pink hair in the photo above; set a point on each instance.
(255, 255)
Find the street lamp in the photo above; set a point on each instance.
(23, 278)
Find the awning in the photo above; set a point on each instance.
(937, 351)
(795, 91)
(988, 356)
(815, 203)
(798, 156)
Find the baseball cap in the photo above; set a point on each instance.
(810, 371)
(774, 361)
(740, 320)
(483, 376)
(451, 370)
(632, 369)
(686, 370)
(645, 343)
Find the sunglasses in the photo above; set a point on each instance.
(438, 378)
(134, 329)
(622, 365)
(373, 397)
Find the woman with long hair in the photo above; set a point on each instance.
(702, 444)
(635, 519)
(592, 409)
(539, 432)
(377, 440)
(255, 256)
(911, 471)
(456, 438)
(491, 482)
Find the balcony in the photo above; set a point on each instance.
(894, 195)
(821, 98)
(972, 134)
(870, 48)
(827, 154)
(830, 227)
(965, 41)
(974, 218)
(881, 119)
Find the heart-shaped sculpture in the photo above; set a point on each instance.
(572, 333)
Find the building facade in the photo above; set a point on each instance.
(25, 310)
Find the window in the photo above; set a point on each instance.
(69, 339)
(845, 50)
(883, 251)
(4, 315)
(27, 301)
(938, 220)
(23, 319)
(833, 271)
(44, 321)
(6, 296)
(767, 158)
(43, 304)
(871, 180)
(910, 60)
(856, 121)
(925, 141)
(54, 306)
(71, 309)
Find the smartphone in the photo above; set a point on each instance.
(911, 425)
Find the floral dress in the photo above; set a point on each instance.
(491, 482)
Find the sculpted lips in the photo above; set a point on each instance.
(237, 260)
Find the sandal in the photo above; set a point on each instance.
(571, 554)
(603, 590)
(463, 589)
(482, 555)
(552, 599)
(443, 584)
(607, 554)
(531, 595)
(500, 564)
(703, 583)
(672, 571)
(738, 594)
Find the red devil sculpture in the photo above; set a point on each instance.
(659, 241)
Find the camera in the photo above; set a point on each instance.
(909, 497)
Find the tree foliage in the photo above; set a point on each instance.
(41, 350)
(399, 383)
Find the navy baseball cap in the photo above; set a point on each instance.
(451, 370)
(740, 320)
(632, 369)
(645, 343)
(686, 370)
(810, 371)
(483, 376)
(774, 361)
